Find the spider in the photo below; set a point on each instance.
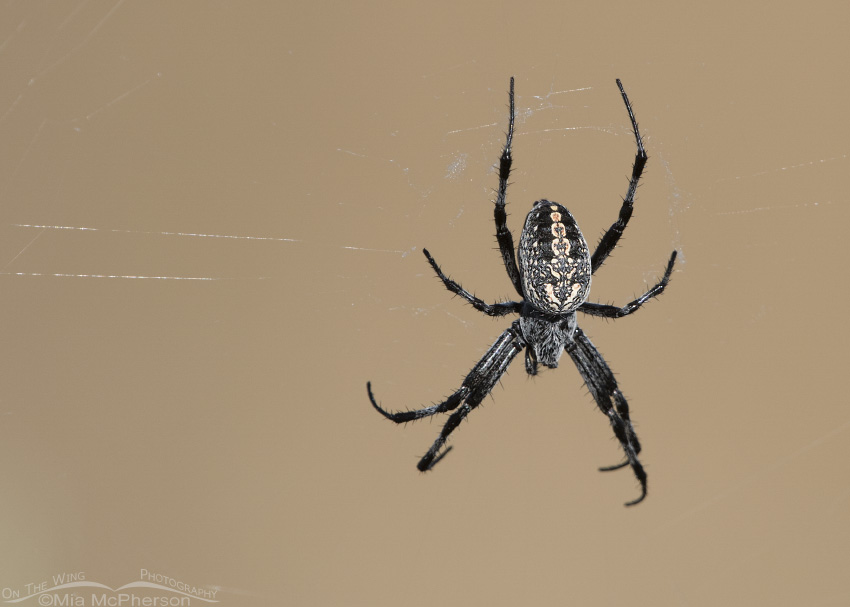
(551, 271)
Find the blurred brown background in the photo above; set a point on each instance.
(212, 223)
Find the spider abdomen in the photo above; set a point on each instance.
(554, 262)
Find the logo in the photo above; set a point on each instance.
(73, 589)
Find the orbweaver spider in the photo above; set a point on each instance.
(551, 271)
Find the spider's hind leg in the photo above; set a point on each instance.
(503, 233)
(612, 235)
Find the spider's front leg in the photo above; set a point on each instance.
(610, 400)
(476, 385)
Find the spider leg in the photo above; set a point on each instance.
(476, 385)
(497, 309)
(503, 234)
(595, 309)
(610, 400)
(480, 381)
(401, 417)
(610, 238)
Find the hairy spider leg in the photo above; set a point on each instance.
(612, 235)
(607, 311)
(401, 417)
(496, 309)
(503, 234)
(476, 385)
(610, 400)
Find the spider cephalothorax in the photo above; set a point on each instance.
(551, 272)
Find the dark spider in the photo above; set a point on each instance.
(553, 279)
